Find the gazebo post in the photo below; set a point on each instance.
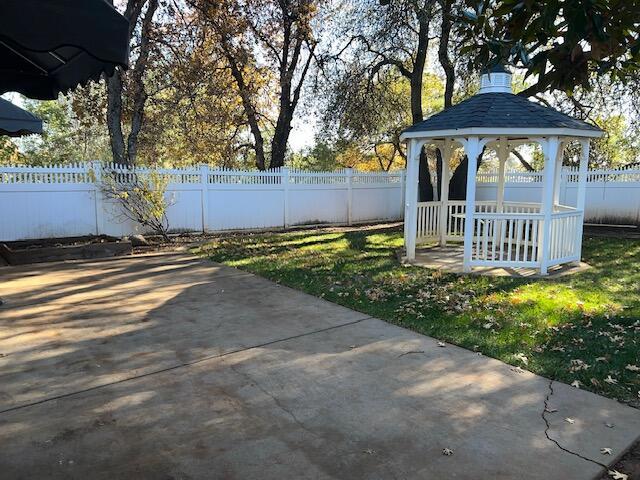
(446, 151)
(472, 149)
(582, 190)
(550, 148)
(558, 176)
(411, 198)
(503, 154)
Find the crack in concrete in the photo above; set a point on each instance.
(385, 459)
(410, 352)
(276, 400)
(178, 366)
(548, 427)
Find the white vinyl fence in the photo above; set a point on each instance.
(613, 196)
(63, 201)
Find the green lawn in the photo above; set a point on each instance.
(585, 327)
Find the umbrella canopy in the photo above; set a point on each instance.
(52, 46)
(16, 122)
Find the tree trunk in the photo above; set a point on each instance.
(458, 183)
(124, 153)
(443, 53)
(425, 185)
(280, 138)
(114, 117)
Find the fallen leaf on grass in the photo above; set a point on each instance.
(576, 383)
(633, 368)
(522, 357)
(577, 365)
(447, 451)
(616, 475)
(610, 380)
(601, 359)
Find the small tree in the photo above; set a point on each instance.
(141, 196)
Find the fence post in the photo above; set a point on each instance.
(204, 196)
(284, 179)
(349, 196)
(402, 193)
(96, 167)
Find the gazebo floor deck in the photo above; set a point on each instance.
(449, 259)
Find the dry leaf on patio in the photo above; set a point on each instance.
(609, 425)
(447, 451)
(442, 344)
(550, 410)
(368, 451)
(576, 383)
(606, 451)
(633, 368)
(570, 420)
(616, 475)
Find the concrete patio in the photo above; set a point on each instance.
(167, 366)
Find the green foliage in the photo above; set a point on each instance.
(562, 42)
(64, 139)
(9, 153)
(584, 327)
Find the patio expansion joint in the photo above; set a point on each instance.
(545, 410)
(178, 366)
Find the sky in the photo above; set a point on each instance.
(303, 132)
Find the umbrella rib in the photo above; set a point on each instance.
(43, 70)
(57, 57)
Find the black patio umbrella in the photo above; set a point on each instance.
(52, 46)
(16, 122)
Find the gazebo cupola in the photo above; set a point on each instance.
(498, 233)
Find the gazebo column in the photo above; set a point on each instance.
(558, 176)
(443, 221)
(411, 198)
(472, 148)
(503, 155)
(582, 190)
(550, 148)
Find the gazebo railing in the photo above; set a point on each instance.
(429, 217)
(564, 246)
(511, 238)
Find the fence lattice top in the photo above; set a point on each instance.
(85, 172)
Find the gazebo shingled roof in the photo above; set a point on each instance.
(499, 110)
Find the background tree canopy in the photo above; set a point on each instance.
(239, 83)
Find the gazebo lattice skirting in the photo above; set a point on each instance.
(498, 233)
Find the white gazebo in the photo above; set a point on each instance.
(498, 233)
